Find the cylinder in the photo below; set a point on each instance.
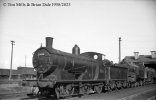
(49, 42)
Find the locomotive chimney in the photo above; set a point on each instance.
(49, 42)
(153, 53)
(136, 55)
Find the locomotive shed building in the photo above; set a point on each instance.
(142, 60)
(20, 73)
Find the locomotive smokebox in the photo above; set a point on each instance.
(49, 42)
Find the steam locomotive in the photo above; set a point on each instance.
(64, 74)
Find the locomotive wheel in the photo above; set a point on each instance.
(57, 93)
(109, 88)
(84, 90)
(124, 84)
(112, 85)
(132, 85)
(129, 85)
(141, 83)
(98, 89)
(135, 84)
(69, 90)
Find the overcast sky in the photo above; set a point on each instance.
(94, 25)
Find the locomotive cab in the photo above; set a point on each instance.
(94, 55)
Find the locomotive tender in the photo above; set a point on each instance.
(63, 74)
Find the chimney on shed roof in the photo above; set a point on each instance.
(136, 55)
(153, 53)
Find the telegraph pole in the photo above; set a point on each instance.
(25, 61)
(12, 42)
(119, 49)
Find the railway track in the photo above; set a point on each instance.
(146, 92)
(12, 95)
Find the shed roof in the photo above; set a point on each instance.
(142, 58)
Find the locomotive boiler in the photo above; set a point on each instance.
(47, 60)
